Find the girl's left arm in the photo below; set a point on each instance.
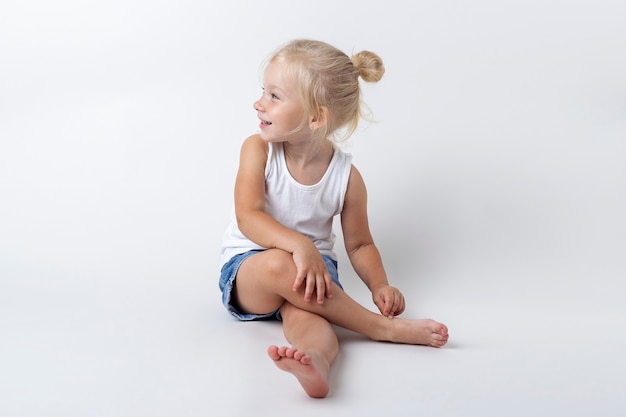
(362, 251)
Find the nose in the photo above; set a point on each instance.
(257, 105)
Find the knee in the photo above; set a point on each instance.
(279, 263)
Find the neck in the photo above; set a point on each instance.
(306, 152)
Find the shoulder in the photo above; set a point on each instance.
(356, 185)
(355, 175)
(255, 142)
(254, 147)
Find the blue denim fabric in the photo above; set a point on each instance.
(227, 281)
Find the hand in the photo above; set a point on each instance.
(389, 300)
(312, 271)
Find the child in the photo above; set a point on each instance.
(277, 256)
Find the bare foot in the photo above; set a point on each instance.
(313, 376)
(419, 332)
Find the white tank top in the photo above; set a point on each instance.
(307, 209)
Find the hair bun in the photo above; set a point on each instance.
(370, 66)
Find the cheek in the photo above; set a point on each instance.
(296, 115)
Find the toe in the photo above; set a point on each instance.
(272, 351)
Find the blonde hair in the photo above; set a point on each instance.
(329, 78)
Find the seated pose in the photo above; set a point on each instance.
(278, 258)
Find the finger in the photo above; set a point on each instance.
(310, 287)
(394, 307)
(386, 306)
(391, 304)
(321, 289)
(328, 281)
(298, 281)
(401, 307)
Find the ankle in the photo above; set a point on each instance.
(382, 330)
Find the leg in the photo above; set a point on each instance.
(314, 347)
(264, 283)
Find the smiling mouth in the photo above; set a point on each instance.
(265, 123)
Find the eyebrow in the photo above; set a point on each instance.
(275, 88)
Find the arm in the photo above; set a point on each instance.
(362, 251)
(264, 230)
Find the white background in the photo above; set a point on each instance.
(497, 181)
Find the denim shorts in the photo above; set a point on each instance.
(227, 282)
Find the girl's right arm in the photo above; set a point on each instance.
(265, 231)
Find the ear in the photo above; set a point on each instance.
(320, 119)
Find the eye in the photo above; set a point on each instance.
(272, 95)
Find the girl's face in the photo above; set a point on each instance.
(279, 108)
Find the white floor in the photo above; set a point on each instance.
(152, 343)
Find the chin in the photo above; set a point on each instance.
(265, 137)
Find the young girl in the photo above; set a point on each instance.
(277, 256)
